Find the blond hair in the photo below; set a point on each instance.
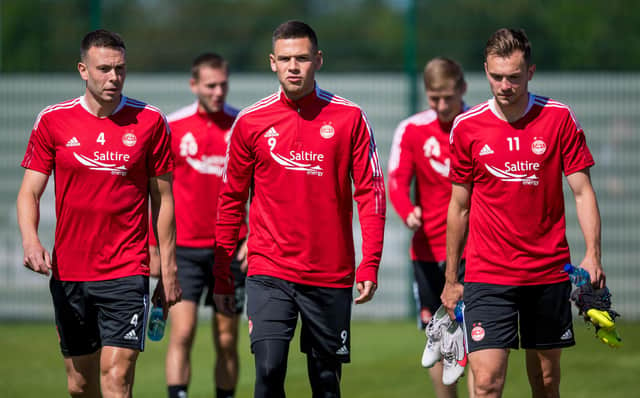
(440, 70)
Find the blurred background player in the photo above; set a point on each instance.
(199, 137)
(507, 159)
(420, 153)
(109, 154)
(299, 151)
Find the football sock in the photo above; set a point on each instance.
(220, 393)
(177, 391)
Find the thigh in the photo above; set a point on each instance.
(195, 272)
(326, 321)
(184, 318)
(117, 369)
(76, 318)
(122, 310)
(271, 309)
(545, 316)
(83, 374)
(490, 316)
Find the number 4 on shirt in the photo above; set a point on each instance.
(101, 139)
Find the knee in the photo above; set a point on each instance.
(485, 383)
(226, 344)
(269, 370)
(79, 386)
(181, 337)
(114, 377)
(329, 374)
(544, 384)
(117, 378)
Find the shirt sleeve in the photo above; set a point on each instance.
(369, 194)
(160, 159)
(461, 159)
(41, 151)
(234, 192)
(575, 153)
(401, 171)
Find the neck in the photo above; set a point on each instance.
(515, 111)
(101, 108)
(296, 97)
(202, 109)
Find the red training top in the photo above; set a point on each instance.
(102, 169)
(516, 220)
(199, 145)
(420, 149)
(300, 159)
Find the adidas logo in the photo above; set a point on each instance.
(131, 335)
(343, 350)
(566, 335)
(271, 133)
(486, 150)
(73, 142)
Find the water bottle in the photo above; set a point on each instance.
(458, 311)
(156, 323)
(578, 275)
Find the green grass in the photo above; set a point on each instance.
(385, 363)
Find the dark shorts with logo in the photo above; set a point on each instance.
(273, 306)
(91, 315)
(427, 287)
(195, 274)
(492, 314)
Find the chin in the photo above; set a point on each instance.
(446, 118)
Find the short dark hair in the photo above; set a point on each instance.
(441, 69)
(295, 30)
(212, 60)
(506, 41)
(101, 38)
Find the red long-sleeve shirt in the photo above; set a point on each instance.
(300, 159)
(420, 150)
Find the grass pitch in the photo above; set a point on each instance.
(385, 363)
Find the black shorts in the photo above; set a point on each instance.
(195, 273)
(492, 313)
(273, 306)
(427, 287)
(91, 315)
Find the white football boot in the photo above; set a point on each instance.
(434, 331)
(454, 353)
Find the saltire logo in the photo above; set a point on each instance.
(513, 177)
(293, 165)
(99, 166)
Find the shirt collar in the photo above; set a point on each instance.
(303, 102)
(123, 100)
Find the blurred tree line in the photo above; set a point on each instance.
(355, 35)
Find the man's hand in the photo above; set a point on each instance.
(451, 294)
(366, 289)
(166, 294)
(596, 273)
(225, 303)
(36, 258)
(172, 291)
(414, 219)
